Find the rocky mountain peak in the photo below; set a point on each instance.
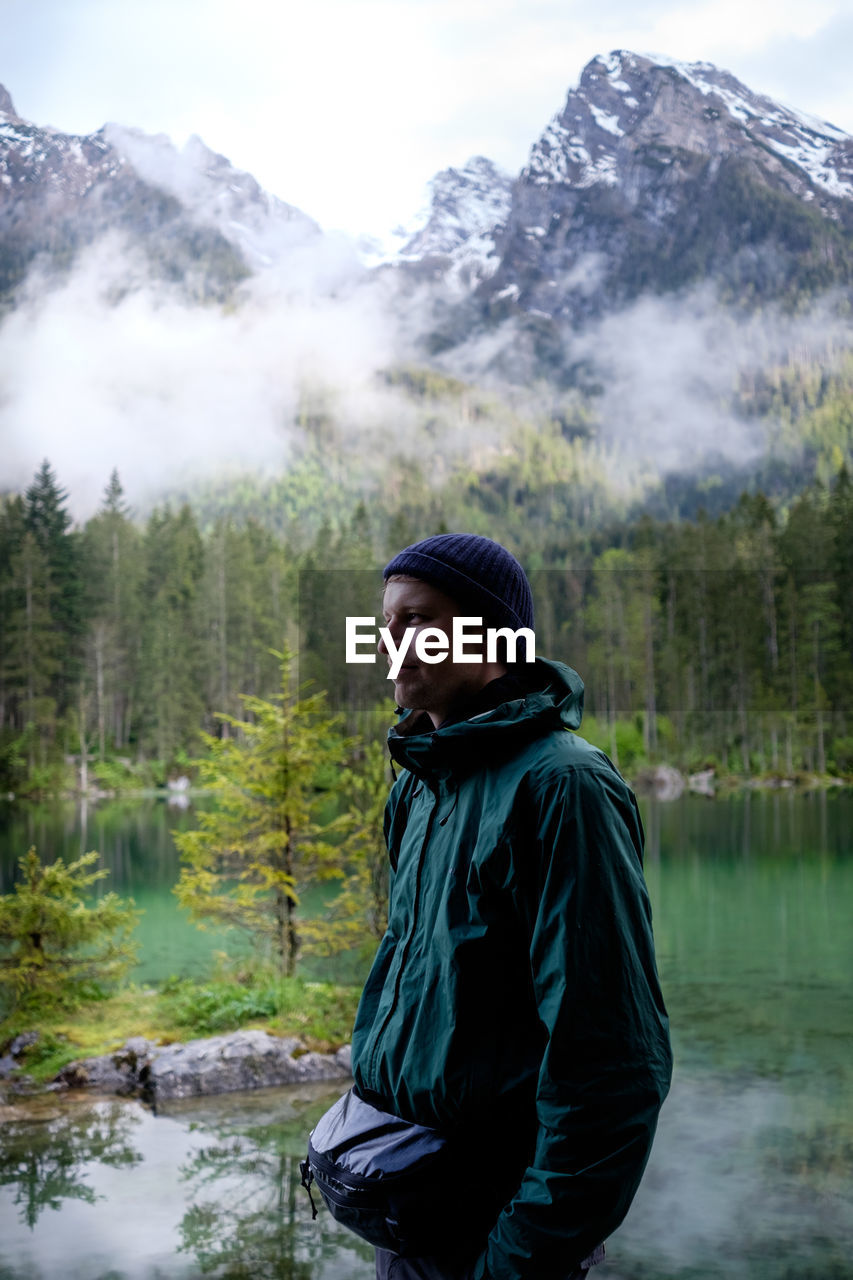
(214, 192)
(629, 107)
(658, 175)
(468, 208)
(186, 215)
(7, 107)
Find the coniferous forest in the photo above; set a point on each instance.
(707, 641)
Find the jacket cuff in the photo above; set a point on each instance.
(478, 1271)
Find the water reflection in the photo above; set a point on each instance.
(260, 1238)
(46, 1150)
(248, 1215)
(209, 1187)
(746, 824)
(746, 1181)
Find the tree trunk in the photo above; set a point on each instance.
(223, 632)
(84, 755)
(650, 720)
(818, 701)
(743, 714)
(99, 686)
(286, 910)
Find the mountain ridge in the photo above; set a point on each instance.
(202, 223)
(656, 175)
(653, 178)
(605, 207)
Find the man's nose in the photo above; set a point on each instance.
(396, 630)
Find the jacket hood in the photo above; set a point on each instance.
(551, 698)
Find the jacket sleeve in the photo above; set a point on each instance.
(606, 1065)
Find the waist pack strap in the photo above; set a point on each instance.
(307, 1179)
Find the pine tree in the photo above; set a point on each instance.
(249, 612)
(358, 916)
(170, 673)
(244, 864)
(11, 540)
(841, 563)
(112, 561)
(47, 519)
(32, 646)
(57, 948)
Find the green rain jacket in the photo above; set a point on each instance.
(514, 998)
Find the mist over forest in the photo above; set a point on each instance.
(98, 375)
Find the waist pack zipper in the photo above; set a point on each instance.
(371, 1192)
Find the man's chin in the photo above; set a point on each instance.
(406, 695)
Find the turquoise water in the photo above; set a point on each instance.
(135, 841)
(136, 847)
(752, 1171)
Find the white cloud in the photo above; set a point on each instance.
(671, 368)
(168, 392)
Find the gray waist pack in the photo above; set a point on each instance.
(383, 1177)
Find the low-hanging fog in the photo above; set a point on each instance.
(111, 370)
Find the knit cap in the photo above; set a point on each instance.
(479, 574)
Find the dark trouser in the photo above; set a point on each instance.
(390, 1266)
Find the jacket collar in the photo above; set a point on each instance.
(510, 711)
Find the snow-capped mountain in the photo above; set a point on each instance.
(654, 176)
(625, 101)
(35, 162)
(196, 218)
(215, 193)
(468, 209)
(657, 174)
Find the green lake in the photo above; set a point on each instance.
(752, 1171)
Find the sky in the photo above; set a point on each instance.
(348, 109)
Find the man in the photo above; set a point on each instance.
(514, 1003)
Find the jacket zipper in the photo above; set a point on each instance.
(407, 946)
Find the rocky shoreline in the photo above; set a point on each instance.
(229, 1063)
(664, 782)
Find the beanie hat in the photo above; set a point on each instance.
(475, 572)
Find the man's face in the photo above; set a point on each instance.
(432, 687)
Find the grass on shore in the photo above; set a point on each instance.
(320, 1014)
